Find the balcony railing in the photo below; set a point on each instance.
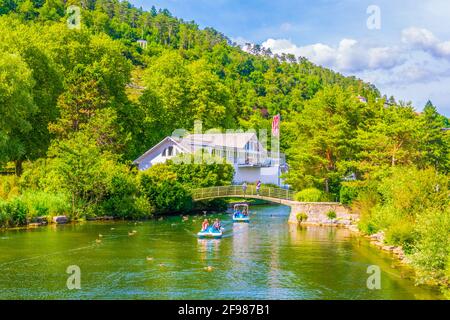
(249, 158)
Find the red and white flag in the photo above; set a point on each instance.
(276, 126)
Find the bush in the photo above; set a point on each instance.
(367, 227)
(123, 198)
(13, 213)
(301, 217)
(432, 250)
(160, 186)
(401, 234)
(309, 195)
(41, 203)
(9, 187)
(348, 194)
(331, 215)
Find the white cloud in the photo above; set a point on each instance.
(417, 68)
(423, 39)
(349, 55)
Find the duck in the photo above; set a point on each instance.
(149, 258)
(98, 241)
(208, 268)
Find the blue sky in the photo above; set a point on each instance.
(408, 57)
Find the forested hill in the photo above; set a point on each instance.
(181, 61)
(78, 105)
(98, 78)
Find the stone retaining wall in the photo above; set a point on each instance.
(317, 213)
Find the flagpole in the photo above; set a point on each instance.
(276, 143)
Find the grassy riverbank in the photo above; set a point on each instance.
(409, 208)
(120, 192)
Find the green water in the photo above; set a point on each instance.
(266, 259)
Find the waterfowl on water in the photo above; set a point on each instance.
(149, 258)
(208, 268)
(98, 241)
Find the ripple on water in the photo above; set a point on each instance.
(266, 259)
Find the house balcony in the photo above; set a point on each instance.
(244, 158)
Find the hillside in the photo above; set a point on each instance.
(78, 105)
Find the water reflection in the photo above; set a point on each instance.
(264, 259)
(208, 248)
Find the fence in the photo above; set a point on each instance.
(237, 191)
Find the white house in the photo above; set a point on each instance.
(251, 161)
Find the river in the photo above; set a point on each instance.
(265, 259)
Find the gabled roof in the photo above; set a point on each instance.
(167, 139)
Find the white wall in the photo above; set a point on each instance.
(253, 174)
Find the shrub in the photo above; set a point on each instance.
(142, 208)
(432, 250)
(309, 195)
(331, 215)
(301, 217)
(9, 187)
(122, 199)
(348, 194)
(160, 186)
(13, 213)
(367, 227)
(41, 203)
(401, 234)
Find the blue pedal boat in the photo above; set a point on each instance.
(211, 233)
(241, 213)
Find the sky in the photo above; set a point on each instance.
(401, 46)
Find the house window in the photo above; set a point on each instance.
(170, 151)
(164, 152)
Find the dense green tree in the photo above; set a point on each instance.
(388, 140)
(329, 123)
(16, 104)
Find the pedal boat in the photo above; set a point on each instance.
(238, 215)
(210, 233)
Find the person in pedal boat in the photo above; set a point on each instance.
(217, 225)
(205, 225)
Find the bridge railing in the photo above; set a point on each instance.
(237, 191)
